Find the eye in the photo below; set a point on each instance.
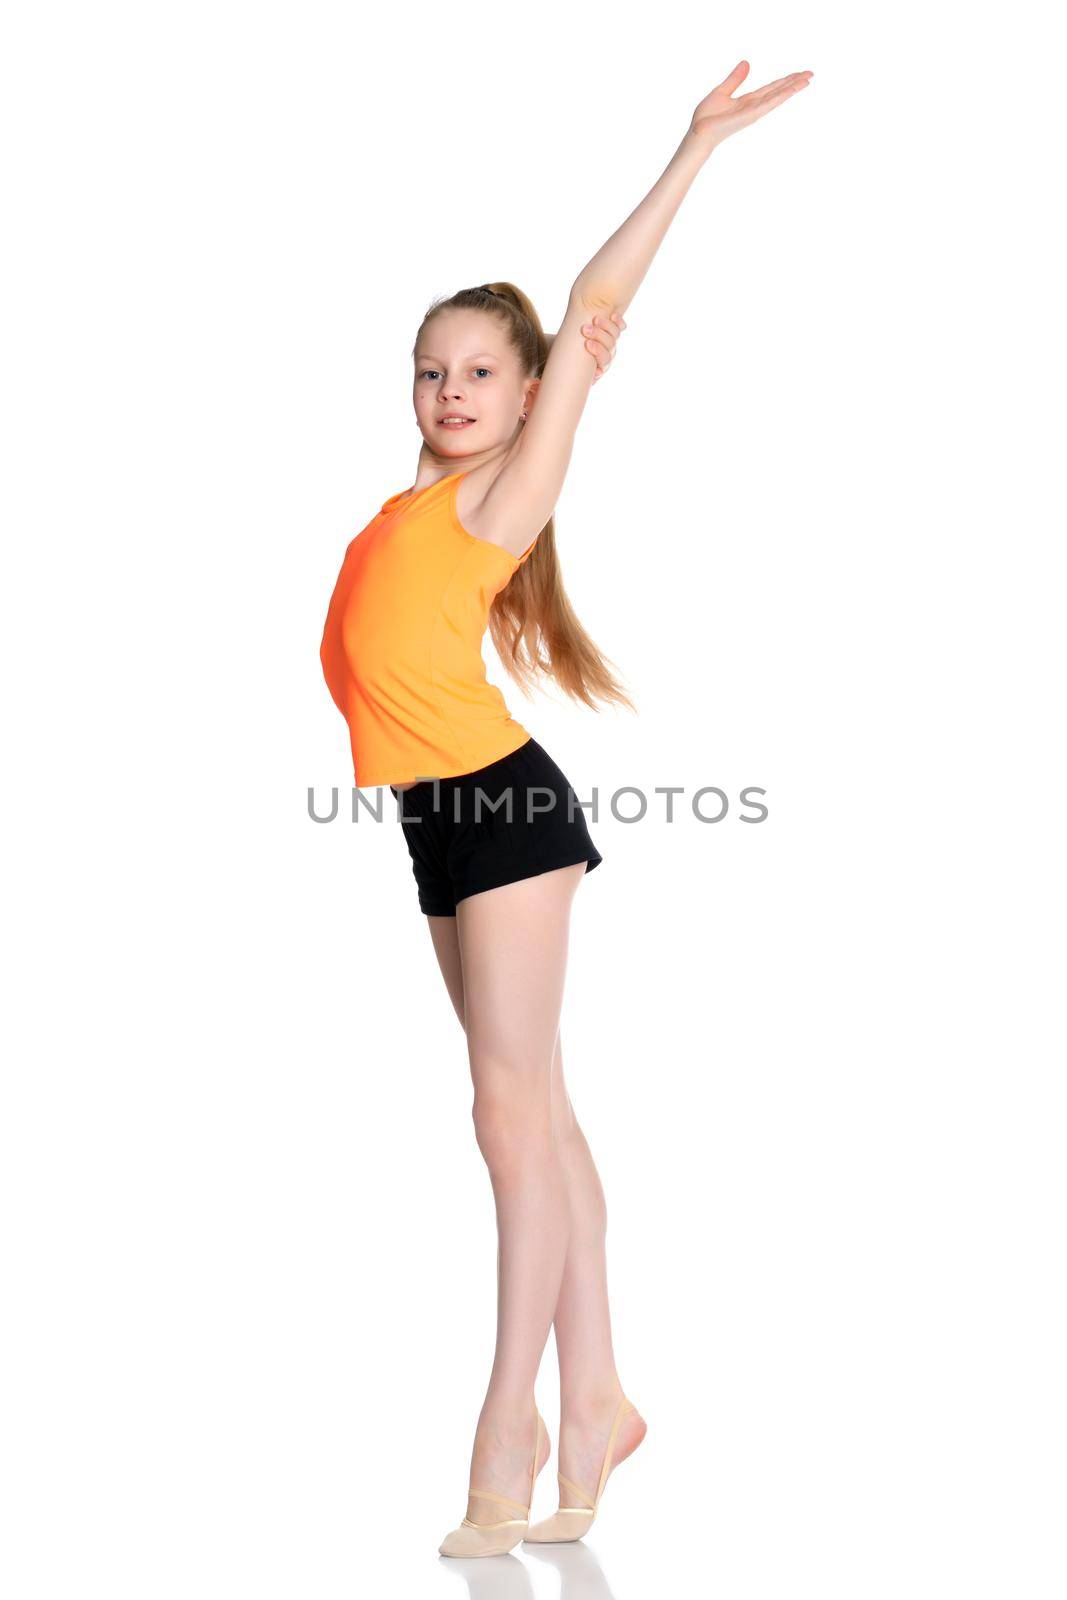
(432, 372)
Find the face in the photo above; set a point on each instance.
(465, 365)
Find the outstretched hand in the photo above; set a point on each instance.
(718, 114)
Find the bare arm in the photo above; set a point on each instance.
(615, 273)
(523, 495)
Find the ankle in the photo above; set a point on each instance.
(589, 1402)
(506, 1415)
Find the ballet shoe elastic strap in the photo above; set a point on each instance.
(623, 1407)
(502, 1499)
(537, 1447)
(573, 1487)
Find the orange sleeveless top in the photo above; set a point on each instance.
(402, 647)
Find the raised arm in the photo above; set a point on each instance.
(523, 495)
(615, 273)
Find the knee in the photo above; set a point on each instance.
(511, 1126)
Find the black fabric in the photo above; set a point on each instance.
(462, 837)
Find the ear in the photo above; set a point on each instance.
(530, 394)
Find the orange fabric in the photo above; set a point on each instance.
(402, 646)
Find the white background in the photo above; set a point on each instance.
(813, 516)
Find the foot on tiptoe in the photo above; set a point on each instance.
(583, 1436)
(503, 1445)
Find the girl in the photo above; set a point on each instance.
(497, 845)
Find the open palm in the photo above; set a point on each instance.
(719, 114)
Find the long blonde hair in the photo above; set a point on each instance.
(532, 624)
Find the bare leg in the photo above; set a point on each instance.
(589, 1384)
(445, 938)
(582, 1320)
(513, 943)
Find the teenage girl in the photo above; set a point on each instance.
(497, 841)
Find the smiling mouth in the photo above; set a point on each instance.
(455, 422)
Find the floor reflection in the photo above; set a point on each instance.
(507, 1578)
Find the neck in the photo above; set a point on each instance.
(432, 466)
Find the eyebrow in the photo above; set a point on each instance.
(423, 355)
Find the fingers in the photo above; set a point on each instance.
(772, 92)
(601, 342)
(776, 97)
(729, 84)
(601, 335)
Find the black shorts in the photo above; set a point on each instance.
(513, 819)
